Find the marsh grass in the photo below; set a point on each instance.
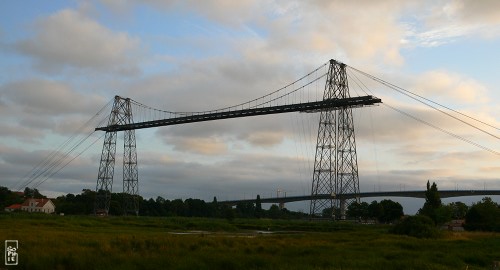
(81, 242)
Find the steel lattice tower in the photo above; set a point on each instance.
(121, 114)
(335, 164)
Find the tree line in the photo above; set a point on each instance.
(83, 204)
(8, 197)
(483, 215)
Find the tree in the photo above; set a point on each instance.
(358, 210)
(432, 202)
(391, 211)
(258, 207)
(443, 214)
(178, 208)
(33, 193)
(459, 210)
(214, 208)
(8, 197)
(484, 215)
(160, 200)
(375, 210)
(274, 211)
(385, 211)
(227, 212)
(196, 208)
(331, 212)
(245, 209)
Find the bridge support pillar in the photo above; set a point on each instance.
(281, 205)
(342, 209)
(335, 165)
(121, 114)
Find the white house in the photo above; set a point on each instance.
(12, 208)
(39, 205)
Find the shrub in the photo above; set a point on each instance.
(417, 226)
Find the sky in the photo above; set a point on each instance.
(62, 61)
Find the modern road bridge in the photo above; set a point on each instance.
(408, 194)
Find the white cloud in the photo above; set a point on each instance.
(69, 38)
(443, 85)
(46, 97)
(34, 108)
(204, 146)
(223, 11)
(443, 22)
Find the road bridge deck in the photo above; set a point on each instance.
(408, 194)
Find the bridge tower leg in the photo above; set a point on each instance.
(335, 165)
(121, 114)
(130, 172)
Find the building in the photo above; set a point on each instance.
(456, 225)
(38, 205)
(13, 207)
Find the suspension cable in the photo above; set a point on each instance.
(51, 159)
(249, 103)
(363, 87)
(414, 95)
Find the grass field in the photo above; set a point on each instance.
(78, 242)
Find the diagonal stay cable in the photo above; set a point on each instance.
(409, 94)
(50, 159)
(48, 169)
(247, 102)
(69, 161)
(443, 130)
(429, 124)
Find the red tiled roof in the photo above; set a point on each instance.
(39, 202)
(14, 206)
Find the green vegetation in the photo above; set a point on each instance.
(83, 204)
(194, 234)
(483, 216)
(7, 197)
(386, 211)
(424, 224)
(85, 242)
(437, 211)
(432, 206)
(419, 226)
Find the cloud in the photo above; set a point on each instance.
(445, 86)
(265, 138)
(46, 97)
(446, 21)
(295, 30)
(35, 108)
(204, 146)
(17, 167)
(21, 132)
(223, 11)
(483, 12)
(238, 174)
(472, 12)
(69, 38)
(308, 29)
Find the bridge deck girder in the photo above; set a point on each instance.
(407, 194)
(218, 115)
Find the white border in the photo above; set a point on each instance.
(17, 248)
